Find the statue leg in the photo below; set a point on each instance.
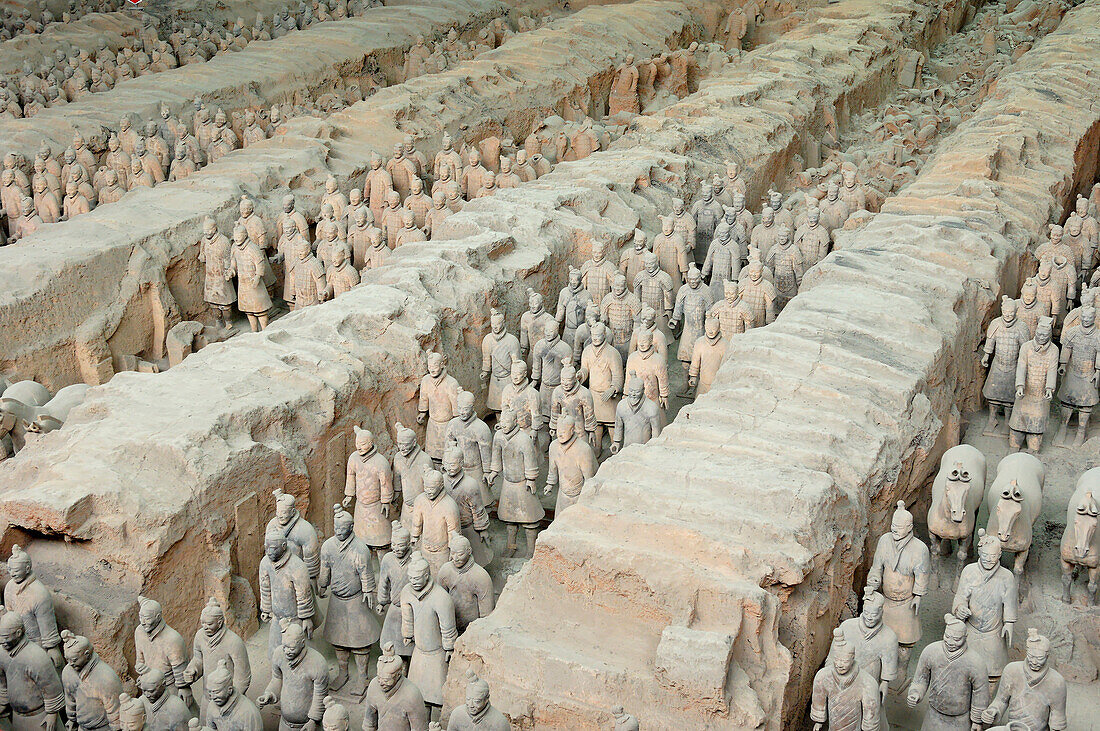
(902, 681)
(597, 439)
(1082, 426)
(1034, 442)
(263, 321)
(1067, 581)
(362, 664)
(512, 529)
(342, 658)
(1094, 579)
(1063, 432)
(254, 323)
(991, 425)
(1015, 440)
(532, 532)
(1021, 559)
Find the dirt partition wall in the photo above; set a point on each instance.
(163, 483)
(701, 575)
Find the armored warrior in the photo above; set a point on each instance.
(733, 315)
(164, 711)
(393, 574)
(671, 252)
(633, 261)
(572, 461)
(570, 397)
(472, 435)
(653, 288)
(1080, 371)
(620, 310)
(499, 349)
(370, 485)
(29, 683)
(468, 583)
(409, 465)
(393, 701)
(834, 211)
(214, 644)
(692, 302)
(813, 239)
(351, 626)
(515, 458)
(161, 647)
(477, 714)
(572, 301)
(522, 397)
(647, 322)
(299, 681)
(901, 568)
(300, 534)
(723, 262)
(637, 418)
(1036, 374)
(436, 516)
(598, 273)
(875, 644)
(651, 368)
(707, 212)
(532, 323)
(286, 592)
(785, 261)
(844, 695)
(602, 369)
(547, 357)
(437, 406)
(27, 597)
(1003, 340)
(1031, 693)
(706, 357)
(218, 291)
(428, 623)
(468, 492)
(758, 295)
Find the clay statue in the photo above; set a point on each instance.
(438, 404)
(876, 645)
(515, 458)
(91, 686)
(308, 281)
(477, 714)
(336, 716)
(707, 212)
(633, 261)
(164, 711)
(1003, 341)
(953, 675)
(671, 251)
(602, 369)
(160, 647)
(624, 89)
(834, 211)
(377, 186)
(393, 701)
(1081, 540)
(653, 288)
(734, 316)
(436, 515)
(29, 683)
(785, 261)
(468, 492)
(647, 322)
(706, 357)
(572, 461)
(547, 357)
(813, 239)
(299, 681)
(468, 583)
(620, 310)
(598, 273)
(637, 418)
(758, 294)
(692, 302)
(286, 592)
(1013, 503)
(986, 599)
(370, 484)
(1079, 367)
(214, 644)
(248, 263)
(131, 713)
(901, 569)
(532, 323)
(409, 465)
(1031, 693)
(300, 534)
(852, 192)
(723, 262)
(522, 397)
(26, 596)
(1036, 373)
(428, 622)
(844, 695)
(651, 368)
(1052, 290)
(351, 626)
(572, 301)
(472, 435)
(218, 291)
(498, 349)
(570, 397)
(1029, 308)
(957, 493)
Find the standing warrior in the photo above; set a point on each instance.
(532, 323)
(436, 516)
(692, 302)
(160, 647)
(758, 294)
(598, 273)
(954, 677)
(410, 462)
(653, 288)
(300, 534)
(875, 644)
(213, 644)
(813, 239)
(164, 711)
(472, 435)
(438, 404)
(351, 626)
(901, 569)
(572, 301)
(468, 583)
(706, 357)
(498, 349)
(1032, 692)
(218, 292)
(477, 714)
(27, 597)
(520, 395)
(91, 687)
(547, 358)
(723, 262)
(392, 701)
(637, 419)
(1080, 371)
(1003, 341)
(299, 681)
(1036, 374)
(620, 310)
(602, 369)
(570, 397)
(468, 493)
(229, 708)
(249, 264)
(286, 592)
(515, 458)
(986, 599)
(785, 260)
(651, 368)
(572, 461)
(393, 574)
(733, 315)
(370, 484)
(707, 212)
(844, 695)
(624, 91)
(671, 252)
(428, 623)
(29, 683)
(633, 261)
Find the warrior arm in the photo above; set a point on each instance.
(47, 622)
(242, 670)
(874, 576)
(662, 380)
(370, 716)
(384, 582)
(1056, 721)
(385, 482)
(366, 575)
(696, 362)
(422, 405)
(349, 482)
(417, 716)
(1000, 702)
(303, 595)
(552, 472)
(477, 508)
(1052, 373)
(1021, 369)
(1011, 603)
(979, 695)
(320, 690)
(655, 423)
(487, 355)
(408, 620)
(819, 699)
(589, 412)
(275, 685)
(3, 690)
(324, 574)
(447, 627)
(311, 554)
(922, 572)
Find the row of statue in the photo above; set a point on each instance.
(965, 678)
(1026, 369)
(26, 21)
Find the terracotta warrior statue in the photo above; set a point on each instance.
(876, 645)
(901, 568)
(1031, 693)
(164, 711)
(706, 357)
(472, 435)
(637, 418)
(692, 302)
(300, 534)
(651, 368)
(299, 681)
(954, 678)
(370, 485)
(351, 626)
(478, 714)
(436, 516)
(1003, 340)
(602, 369)
(91, 686)
(623, 720)
(572, 398)
(286, 592)
(572, 461)
(499, 348)
(523, 399)
(732, 313)
(27, 597)
(672, 252)
(1036, 374)
(986, 599)
(572, 301)
(393, 701)
(515, 458)
(624, 90)
(131, 713)
(532, 323)
(468, 492)
(215, 253)
(29, 683)
(438, 405)
(758, 294)
(215, 644)
(632, 261)
(409, 465)
(547, 357)
(468, 583)
(844, 696)
(785, 261)
(1080, 371)
(620, 310)
(160, 647)
(393, 574)
(653, 288)
(723, 262)
(428, 623)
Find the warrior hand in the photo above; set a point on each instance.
(1020, 392)
(448, 654)
(54, 654)
(1048, 394)
(531, 487)
(693, 382)
(1062, 370)
(963, 612)
(818, 726)
(266, 699)
(484, 536)
(322, 592)
(547, 489)
(368, 599)
(50, 722)
(311, 725)
(346, 502)
(915, 604)
(883, 689)
(422, 417)
(71, 724)
(1006, 633)
(989, 716)
(664, 402)
(276, 258)
(186, 696)
(380, 608)
(491, 477)
(553, 433)
(985, 361)
(485, 376)
(976, 727)
(265, 616)
(615, 447)
(386, 511)
(190, 675)
(307, 625)
(913, 698)
(672, 324)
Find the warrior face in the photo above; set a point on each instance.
(767, 217)
(274, 547)
(1008, 311)
(285, 511)
(954, 637)
(294, 642)
(401, 544)
(452, 462)
(635, 392)
(989, 557)
(435, 364)
(618, 286)
(460, 555)
(149, 617)
(11, 633)
(419, 575)
(364, 442)
(900, 527)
